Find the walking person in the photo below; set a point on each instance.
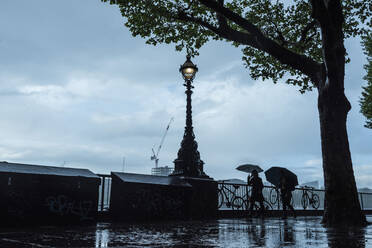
(286, 195)
(256, 196)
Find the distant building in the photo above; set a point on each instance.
(233, 181)
(364, 190)
(313, 184)
(240, 181)
(162, 171)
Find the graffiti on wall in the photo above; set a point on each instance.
(154, 202)
(64, 206)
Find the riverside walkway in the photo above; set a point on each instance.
(243, 232)
(233, 197)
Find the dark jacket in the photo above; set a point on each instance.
(286, 189)
(257, 186)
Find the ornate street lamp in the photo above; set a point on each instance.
(188, 162)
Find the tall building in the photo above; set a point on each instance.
(161, 171)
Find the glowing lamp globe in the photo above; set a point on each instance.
(188, 69)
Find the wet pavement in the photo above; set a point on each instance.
(272, 232)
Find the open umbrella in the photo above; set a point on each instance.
(249, 168)
(274, 173)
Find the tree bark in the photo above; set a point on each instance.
(342, 205)
(341, 197)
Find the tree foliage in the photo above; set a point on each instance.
(257, 26)
(366, 99)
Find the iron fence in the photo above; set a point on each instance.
(228, 192)
(230, 195)
(365, 200)
(104, 192)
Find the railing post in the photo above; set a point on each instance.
(361, 200)
(278, 198)
(247, 197)
(103, 191)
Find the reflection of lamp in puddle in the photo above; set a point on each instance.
(102, 236)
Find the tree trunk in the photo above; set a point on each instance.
(341, 202)
(342, 205)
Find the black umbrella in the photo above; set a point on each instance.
(249, 168)
(274, 174)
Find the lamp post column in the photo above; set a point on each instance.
(188, 129)
(188, 162)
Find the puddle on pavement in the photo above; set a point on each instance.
(273, 232)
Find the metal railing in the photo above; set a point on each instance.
(227, 192)
(365, 200)
(104, 192)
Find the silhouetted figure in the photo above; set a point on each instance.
(256, 196)
(286, 195)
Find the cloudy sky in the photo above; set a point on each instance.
(77, 89)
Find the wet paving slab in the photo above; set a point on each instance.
(270, 232)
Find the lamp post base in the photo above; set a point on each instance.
(203, 201)
(187, 169)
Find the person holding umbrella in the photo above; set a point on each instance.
(286, 181)
(256, 182)
(256, 196)
(286, 194)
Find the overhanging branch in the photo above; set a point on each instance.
(223, 30)
(297, 61)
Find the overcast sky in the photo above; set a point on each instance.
(77, 89)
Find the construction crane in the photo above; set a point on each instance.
(155, 156)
